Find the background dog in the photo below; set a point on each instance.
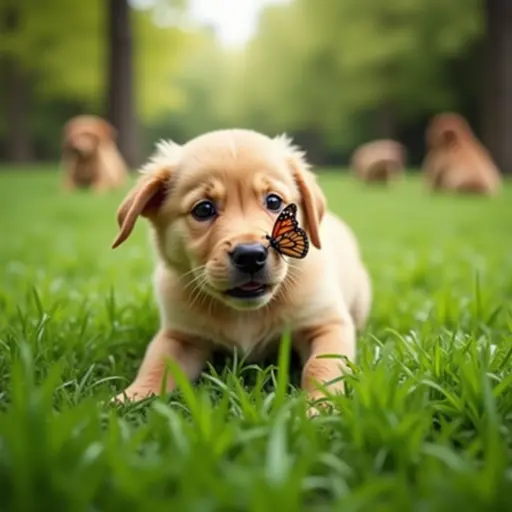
(210, 203)
(91, 158)
(456, 160)
(379, 160)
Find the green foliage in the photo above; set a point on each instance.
(203, 80)
(399, 50)
(425, 425)
(324, 65)
(335, 73)
(159, 51)
(62, 45)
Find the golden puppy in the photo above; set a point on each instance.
(90, 155)
(210, 203)
(456, 160)
(379, 161)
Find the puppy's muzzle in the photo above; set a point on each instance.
(249, 258)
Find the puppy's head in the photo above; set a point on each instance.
(379, 159)
(83, 134)
(213, 201)
(446, 130)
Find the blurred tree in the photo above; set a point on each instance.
(497, 100)
(51, 51)
(59, 49)
(205, 78)
(346, 71)
(15, 88)
(120, 80)
(332, 73)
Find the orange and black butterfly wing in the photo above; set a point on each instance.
(286, 221)
(287, 237)
(294, 244)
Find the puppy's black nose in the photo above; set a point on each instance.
(249, 258)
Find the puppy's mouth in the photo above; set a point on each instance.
(250, 290)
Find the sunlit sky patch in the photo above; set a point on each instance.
(234, 21)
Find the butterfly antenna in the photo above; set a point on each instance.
(265, 233)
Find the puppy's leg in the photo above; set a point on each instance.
(100, 186)
(68, 184)
(189, 356)
(67, 166)
(333, 339)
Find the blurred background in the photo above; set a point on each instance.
(331, 73)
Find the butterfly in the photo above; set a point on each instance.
(287, 237)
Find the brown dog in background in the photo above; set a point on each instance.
(456, 160)
(379, 161)
(210, 204)
(90, 156)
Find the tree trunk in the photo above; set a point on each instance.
(19, 144)
(386, 122)
(120, 100)
(497, 101)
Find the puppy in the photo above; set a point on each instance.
(210, 204)
(379, 161)
(456, 160)
(90, 155)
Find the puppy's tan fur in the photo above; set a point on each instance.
(456, 160)
(379, 161)
(322, 298)
(90, 157)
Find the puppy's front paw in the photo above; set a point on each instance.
(319, 403)
(133, 394)
(313, 411)
(317, 408)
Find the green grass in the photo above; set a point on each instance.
(426, 424)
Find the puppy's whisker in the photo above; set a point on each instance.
(291, 278)
(197, 283)
(198, 291)
(193, 283)
(289, 285)
(264, 232)
(205, 297)
(296, 275)
(195, 280)
(192, 271)
(296, 268)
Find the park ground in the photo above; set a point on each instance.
(426, 423)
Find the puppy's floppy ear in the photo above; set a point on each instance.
(148, 195)
(313, 199)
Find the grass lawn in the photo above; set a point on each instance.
(426, 424)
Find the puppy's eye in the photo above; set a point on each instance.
(205, 210)
(273, 202)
